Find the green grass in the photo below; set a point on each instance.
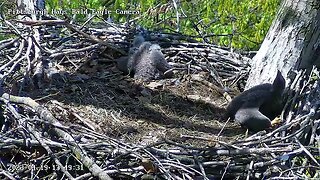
(240, 24)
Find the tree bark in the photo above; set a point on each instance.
(292, 43)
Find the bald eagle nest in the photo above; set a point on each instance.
(67, 112)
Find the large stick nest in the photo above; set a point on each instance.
(68, 112)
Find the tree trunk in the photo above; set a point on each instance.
(26, 6)
(292, 43)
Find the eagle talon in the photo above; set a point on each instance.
(276, 121)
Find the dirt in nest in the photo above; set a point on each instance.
(142, 113)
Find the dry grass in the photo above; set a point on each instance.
(117, 106)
